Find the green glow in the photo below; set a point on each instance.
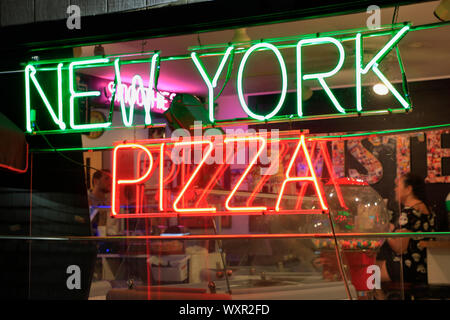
(211, 84)
(283, 77)
(74, 95)
(27, 98)
(351, 136)
(127, 122)
(318, 76)
(30, 72)
(386, 82)
(60, 96)
(388, 46)
(148, 100)
(358, 62)
(373, 64)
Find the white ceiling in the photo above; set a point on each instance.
(425, 54)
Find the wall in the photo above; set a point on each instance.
(15, 12)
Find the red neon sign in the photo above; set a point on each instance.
(312, 178)
(167, 187)
(117, 182)
(252, 162)
(192, 177)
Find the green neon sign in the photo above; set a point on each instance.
(145, 90)
(76, 95)
(148, 95)
(283, 78)
(30, 73)
(319, 76)
(211, 84)
(373, 65)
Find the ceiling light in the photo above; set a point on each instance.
(241, 38)
(442, 10)
(380, 89)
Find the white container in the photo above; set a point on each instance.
(171, 268)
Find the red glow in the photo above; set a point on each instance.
(116, 182)
(333, 180)
(250, 212)
(312, 178)
(263, 180)
(252, 162)
(350, 182)
(197, 169)
(187, 198)
(302, 192)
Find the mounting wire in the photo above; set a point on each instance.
(68, 158)
(395, 15)
(113, 98)
(12, 71)
(229, 70)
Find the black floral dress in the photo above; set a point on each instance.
(415, 259)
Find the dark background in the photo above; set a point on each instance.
(37, 269)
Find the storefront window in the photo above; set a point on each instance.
(299, 160)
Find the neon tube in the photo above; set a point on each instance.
(140, 188)
(133, 181)
(373, 64)
(303, 188)
(386, 82)
(149, 101)
(264, 179)
(121, 95)
(312, 178)
(239, 236)
(252, 162)
(211, 84)
(283, 78)
(358, 63)
(213, 180)
(161, 177)
(74, 95)
(197, 169)
(30, 72)
(388, 46)
(329, 165)
(318, 76)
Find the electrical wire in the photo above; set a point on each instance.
(395, 15)
(227, 78)
(68, 158)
